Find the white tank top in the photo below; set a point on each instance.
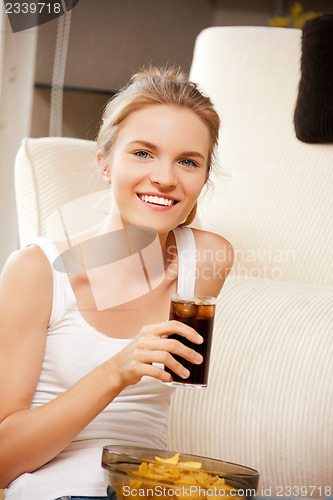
(137, 416)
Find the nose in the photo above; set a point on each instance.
(163, 174)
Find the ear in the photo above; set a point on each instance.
(104, 167)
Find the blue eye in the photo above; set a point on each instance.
(142, 154)
(188, 163)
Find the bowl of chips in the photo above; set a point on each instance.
(134, 472)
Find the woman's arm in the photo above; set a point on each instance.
(31, 437)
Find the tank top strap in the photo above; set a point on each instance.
(187, 261)
(48, 247)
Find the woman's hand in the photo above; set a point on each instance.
(150, 346)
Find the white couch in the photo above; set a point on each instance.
(269, 403)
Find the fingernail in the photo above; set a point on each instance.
(200, 338)
(198, 358)
(185, 373)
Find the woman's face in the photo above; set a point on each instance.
(158, 166)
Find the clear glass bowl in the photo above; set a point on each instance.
(120, 462)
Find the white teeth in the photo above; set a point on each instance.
(155, 199)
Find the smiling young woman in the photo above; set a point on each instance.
(89, 375)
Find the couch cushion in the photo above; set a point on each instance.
(269, 401)
(56, 182)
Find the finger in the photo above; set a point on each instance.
(173, 326)
(176, 327)
(173, 346)
(158, 373)
(166, 359)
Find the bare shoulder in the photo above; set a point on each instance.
(213, 241)
(29, 262)
(26, 280)
(215, 257)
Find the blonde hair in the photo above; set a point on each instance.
(158, 86)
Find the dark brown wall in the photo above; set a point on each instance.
(111, 39)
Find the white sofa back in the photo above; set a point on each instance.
(275, 204)
(53, 175)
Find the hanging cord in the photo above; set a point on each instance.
(58, 76)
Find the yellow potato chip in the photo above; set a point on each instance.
(168, 471)
(186, 479)
(143, 468)
(193, 465)
(172, 460)
(164, 471)
(134, 484)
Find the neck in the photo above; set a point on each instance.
(113, 222)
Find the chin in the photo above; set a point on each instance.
(160, 229)
(159, 226)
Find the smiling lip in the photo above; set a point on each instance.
(151, 201)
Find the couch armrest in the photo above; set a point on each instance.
(53, 173)
(269, 404)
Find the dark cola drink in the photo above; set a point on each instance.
(197, 312)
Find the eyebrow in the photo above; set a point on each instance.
(143, 143)
(193, 153)
(153, 146)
